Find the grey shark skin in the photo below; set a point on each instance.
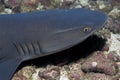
(27, 36)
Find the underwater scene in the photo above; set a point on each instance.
(96, 55)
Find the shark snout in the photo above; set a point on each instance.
(100, 19)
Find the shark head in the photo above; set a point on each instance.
(72, 27)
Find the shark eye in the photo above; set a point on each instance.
(87, 28)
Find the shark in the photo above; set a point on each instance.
(26, 36)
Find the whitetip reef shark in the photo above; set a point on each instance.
(25, 36)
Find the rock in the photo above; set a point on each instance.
(50, 73)
(101, 4)
(12, 3)
(75, 72)
(24, 74)
(115, 12)
(113, 25)
(100, 64)
(114, 56)
(97, 76)
(29, 5)
(84, 2)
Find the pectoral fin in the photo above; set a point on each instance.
(8, 67)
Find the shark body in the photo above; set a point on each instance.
(27, 36)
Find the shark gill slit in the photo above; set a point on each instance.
(35, 48)
(19, 49)
(32, 48)
(40, 48)
(25, 49)
(32, 44)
